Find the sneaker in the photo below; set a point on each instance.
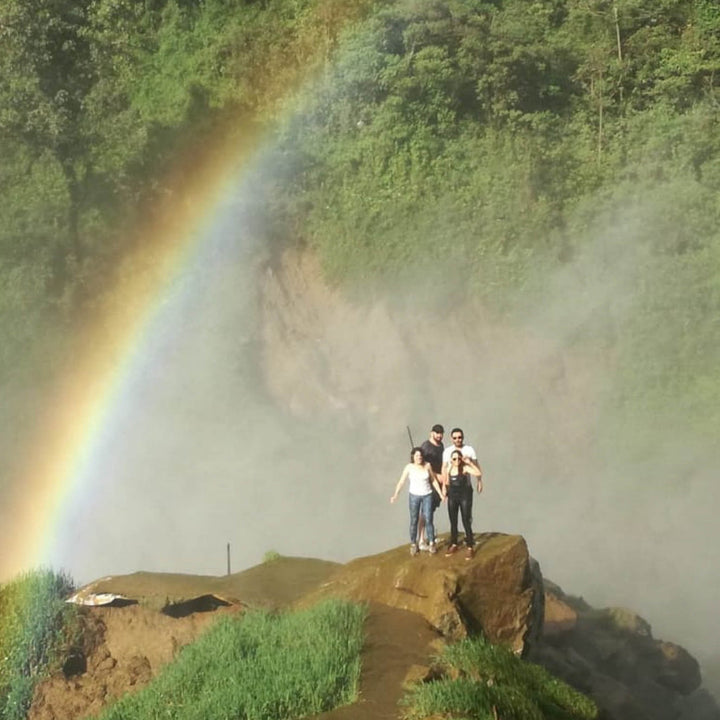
(469, 554)
(451, 550)
(433, 548)
(422, 545)
(413, 549)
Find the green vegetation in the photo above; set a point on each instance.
(35, 625)
(507, 148)
(109, 111)
(483, 682)
(271, 556)
(516, 140)
(260, 666)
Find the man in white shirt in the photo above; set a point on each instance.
(458, 439)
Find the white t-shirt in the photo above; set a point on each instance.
(419, 480)
(466, 451)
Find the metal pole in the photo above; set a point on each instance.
(412, 444)
(228, 558)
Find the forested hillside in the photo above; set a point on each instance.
(522, 151)
(514, 139)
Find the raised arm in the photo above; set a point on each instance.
(472, 467)
(400, 483)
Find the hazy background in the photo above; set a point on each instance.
(214, 442)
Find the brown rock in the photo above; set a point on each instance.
(559, 615)
(611, 654)
(679, 670)
(625, 620)
(105, 665)
(418, 674)
(499, 592)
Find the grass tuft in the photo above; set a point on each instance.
(261, 666)
(35, 624)
(482, 681)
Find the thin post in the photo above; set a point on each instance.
(412, 444)
(617, 32)
(228, 558)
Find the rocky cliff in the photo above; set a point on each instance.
(420, 602)
(611, 655)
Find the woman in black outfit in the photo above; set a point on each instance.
(460, 497)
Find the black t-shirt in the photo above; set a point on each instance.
(433, 455)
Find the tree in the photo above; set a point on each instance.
(46, 75)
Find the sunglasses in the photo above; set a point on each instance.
(456, 458)
(457, 437)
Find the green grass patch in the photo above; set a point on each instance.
(260, 666)
(482, 681)
(35, 624)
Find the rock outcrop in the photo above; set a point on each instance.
(499, 592)
(611, 655)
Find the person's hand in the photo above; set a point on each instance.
(393, 498)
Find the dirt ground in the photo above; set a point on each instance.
(125, 646)
(123, 649)
(397, 644)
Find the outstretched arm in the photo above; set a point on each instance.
(400, 483)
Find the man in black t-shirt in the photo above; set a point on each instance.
(433, 450)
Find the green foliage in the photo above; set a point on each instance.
(271, 556)
(484, 681)
(260, 667)
(482, 144)
(35, 624)
(492, 146)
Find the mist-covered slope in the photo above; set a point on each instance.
(628, 530)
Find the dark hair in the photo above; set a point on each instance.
(438, 429)
(413, 451)
(457, 430)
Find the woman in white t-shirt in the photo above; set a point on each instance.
(422, 480)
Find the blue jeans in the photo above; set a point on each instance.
(422, 503)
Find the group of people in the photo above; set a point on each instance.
(438, 474)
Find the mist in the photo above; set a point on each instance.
(617, 506)
(270, 411)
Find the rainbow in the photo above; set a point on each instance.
(94, 385)
(94, 388)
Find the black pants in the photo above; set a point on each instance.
(460, 498)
